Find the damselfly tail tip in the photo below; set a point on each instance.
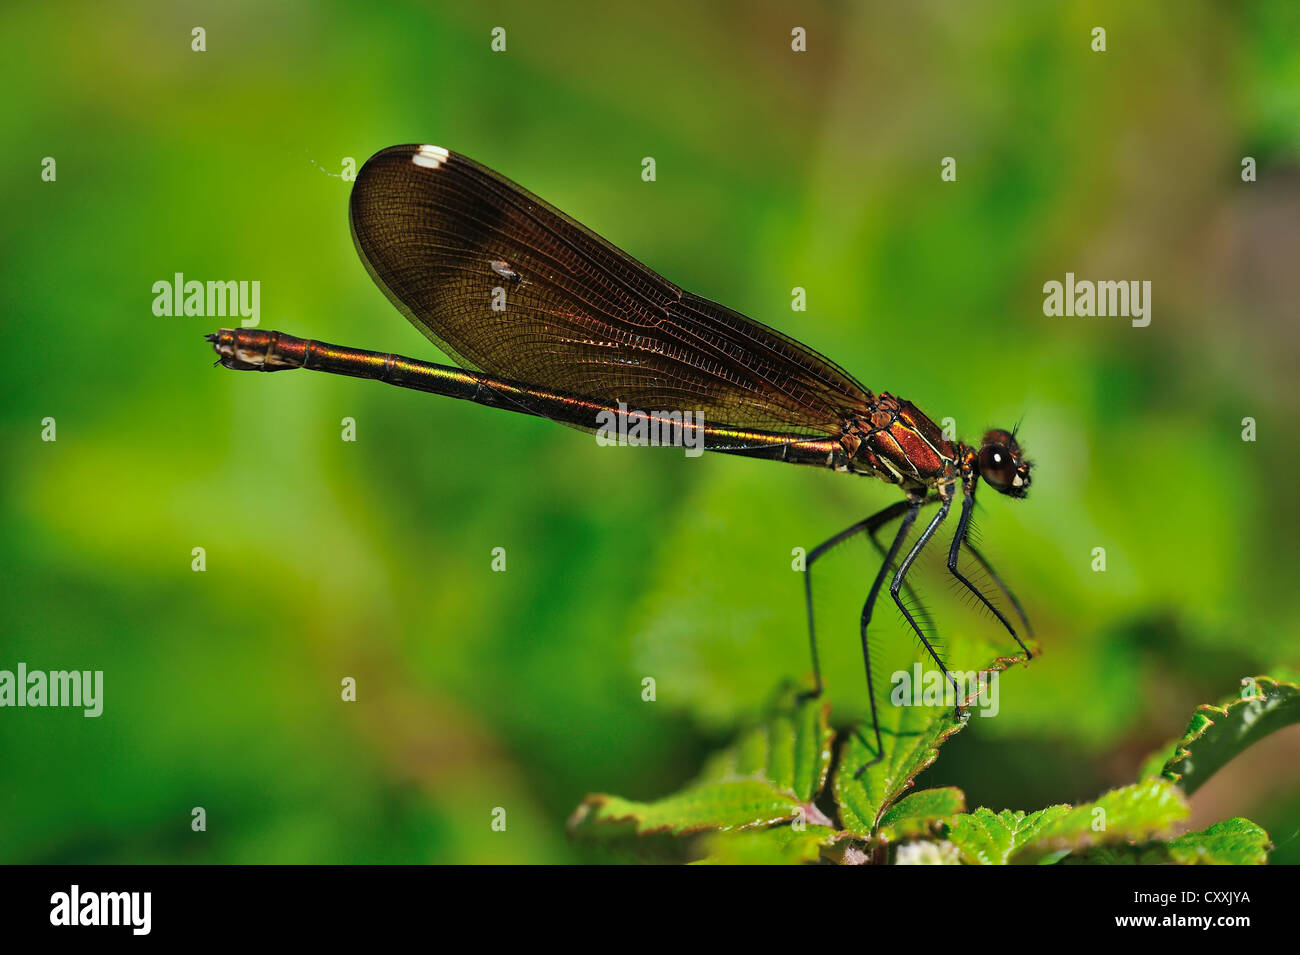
(220, 341)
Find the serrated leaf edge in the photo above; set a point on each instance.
(598, 800)
(1182, 747)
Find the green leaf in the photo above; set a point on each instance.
(736, 804)
(1132, 814)
(920, 813)
(1231, 842)
(1155, 763)
(911, 745)
(778, 845)
(770, 774)
(912, 736)
(1218, 733)
(985, 837)
(1153, 853)
(792, 752)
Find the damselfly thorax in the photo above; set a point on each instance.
(897, 443)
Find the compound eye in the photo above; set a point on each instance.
(997, 466)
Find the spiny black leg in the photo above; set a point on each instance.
(880, 549)
(963, 527)
(913, 508)
(988, 568)
(870, 525)
(897, 584)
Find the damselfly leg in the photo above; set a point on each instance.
(913, 508)
(963, 528)
(1006, 591)
(869, 526)
(908, 509)
(898, 583)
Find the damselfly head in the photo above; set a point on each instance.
(1001, 464)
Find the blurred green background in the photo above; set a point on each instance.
(776, 169)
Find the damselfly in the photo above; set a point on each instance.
(547, 318)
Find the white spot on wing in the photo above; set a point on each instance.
(430, 157)
(504, 270)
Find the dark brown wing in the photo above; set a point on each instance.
(448, 239)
